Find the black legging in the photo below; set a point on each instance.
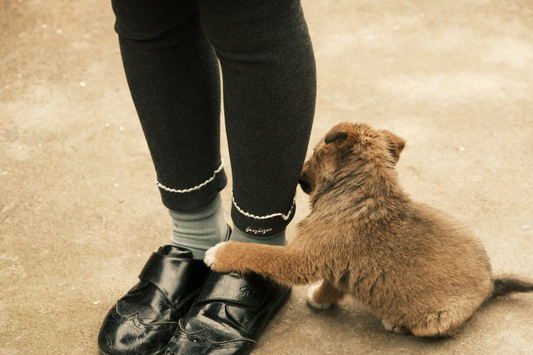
(170, 50)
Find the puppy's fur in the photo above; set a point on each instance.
(411, 265)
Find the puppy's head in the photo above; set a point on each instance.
(345, 147)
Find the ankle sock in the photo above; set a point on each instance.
(199, 230)
(240, 236)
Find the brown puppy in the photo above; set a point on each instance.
(411, 265)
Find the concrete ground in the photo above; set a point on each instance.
(80, 213)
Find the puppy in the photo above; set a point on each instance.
(411, 265)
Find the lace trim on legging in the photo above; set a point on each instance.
(197, 187)
(285, 217)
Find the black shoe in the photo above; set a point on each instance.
(229, 315)
(143, 321)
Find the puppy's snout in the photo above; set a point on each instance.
(305, 180)
(305, 185)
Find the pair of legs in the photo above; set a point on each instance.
(172, 51)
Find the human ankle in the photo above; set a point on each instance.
(200, 229)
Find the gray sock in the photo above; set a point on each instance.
(199, 230)
(240, 236)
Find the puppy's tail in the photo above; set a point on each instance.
(506, 284)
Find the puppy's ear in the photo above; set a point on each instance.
(338, 134)
(335, 136)
(396, 144)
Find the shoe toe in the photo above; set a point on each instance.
(143, 321)
(122, 335)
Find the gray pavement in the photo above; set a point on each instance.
(80, 213)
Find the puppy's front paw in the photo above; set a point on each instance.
(311, 300)
(223, 257)
(210, 257)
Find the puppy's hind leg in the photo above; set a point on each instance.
(441, 324)
(323, 295)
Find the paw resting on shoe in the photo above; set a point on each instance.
(210, 257)
(223, 257)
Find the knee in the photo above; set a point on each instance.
(250, 25)
(142, 20)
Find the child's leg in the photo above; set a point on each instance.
(269, 80)
(173, 76)
(174, 79)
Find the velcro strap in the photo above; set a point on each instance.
(247, 291)
(175, 278)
